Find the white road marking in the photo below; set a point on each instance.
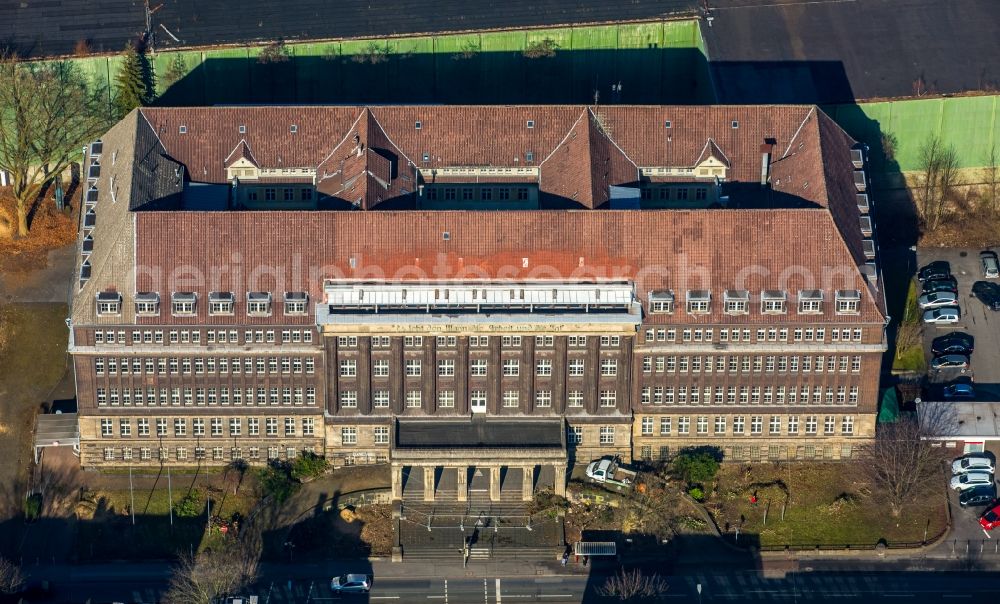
(446, 591)
(383, 597)
(555, 595)
(956, 595)
(498, 591)
(486, 592)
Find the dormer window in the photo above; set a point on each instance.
(295, 303)
(531, 123)
(417, 125)
(258, 304)
(810, 301)
(737, 301)
(147, 304)
(243, 129)
(183, 129)
(772, 302)
(848, 301)
(293, 129)
(699, 301)
(221, 303)
(109, 304)
(182, 303)
(661, 301)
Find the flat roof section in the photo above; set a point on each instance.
(474, 434)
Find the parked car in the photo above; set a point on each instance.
(969, 480)
(959, 391)
(351, 584)
(987, 293)
(990, 518)
(939, 269)
(940, 285)
(955, 342)
(978, 496)
(946, 315)
(937, 299)
(991, 266)
(973, 462)
(950, 361)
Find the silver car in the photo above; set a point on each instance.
(945, 315)
(964, 482)
(351, 584)
(974, 462)
(937, 299)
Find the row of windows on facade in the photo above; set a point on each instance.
(468, 194)
(663, 193)
(271, 194)
(803, 452)
(746, 363)
(198, 365)
(479, 341)
(287, 395)
(477, 367)
(214, 425)
(681, 426)
(219, 336)
(184, 304)
(804, 394)
(761, 334)
(414, 399)
(162, 454)
(737, 302)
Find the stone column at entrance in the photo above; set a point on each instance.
(397, 482)
(560, 479)
(429, 483)
(462, 480)
(495, 483)
(527, 483)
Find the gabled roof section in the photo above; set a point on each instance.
(585, 163)
(241, 151)
(712, 150)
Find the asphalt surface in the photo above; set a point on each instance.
(977, 320)
(48, 27)
(837, 50)
(824, 582)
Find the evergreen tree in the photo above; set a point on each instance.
(131, 88)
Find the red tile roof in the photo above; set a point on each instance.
(658, 249)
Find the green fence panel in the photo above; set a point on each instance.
(585, 38)
(503, 41)
(967, 126)
(365, 70)
(546, 79)
(412, 72)
(180, 78)
(227, 76)
(913, 123)
(640, 35)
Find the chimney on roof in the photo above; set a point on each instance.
(765, 163)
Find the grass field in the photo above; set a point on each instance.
(823, 505)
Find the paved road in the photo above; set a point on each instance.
(821, 581)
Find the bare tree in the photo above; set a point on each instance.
(901, 462)
(211, 574)
(48, 113)
(993, 179)
(907, 336)
(11, 578)
(938, 176)
(635, 586)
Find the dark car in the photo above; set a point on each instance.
(939, 269)
(948, 284)
(978, 496)
(987, 293)
(953, 343)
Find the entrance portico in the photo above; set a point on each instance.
(494, 459)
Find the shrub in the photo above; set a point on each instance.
(541, 49)
(33, 506)
(190, 505)
(276, 481)
(696, 493)
(696, 466)
(308, 465)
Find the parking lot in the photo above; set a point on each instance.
(976, 320)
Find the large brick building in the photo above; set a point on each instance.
(254, 282)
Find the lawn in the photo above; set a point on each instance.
(909, 349)
(808, 504)
(32, 362)
(105, 529)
